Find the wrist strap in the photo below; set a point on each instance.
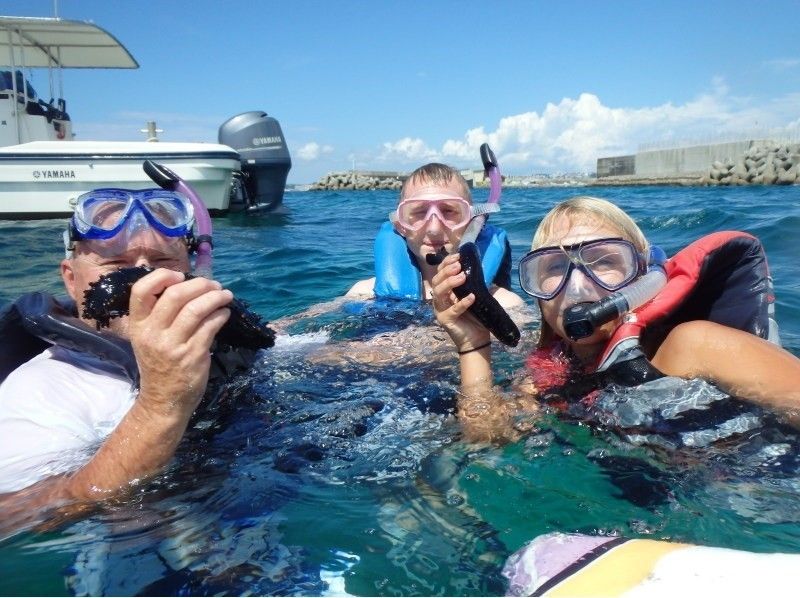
(478, 348)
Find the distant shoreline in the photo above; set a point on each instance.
(344, 182)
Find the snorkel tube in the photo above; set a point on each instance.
(486, 308)
(167, 179)
(582, 319)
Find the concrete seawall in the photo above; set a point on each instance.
(744, 162)
(686, 161)
(616, 166)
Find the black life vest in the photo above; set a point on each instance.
(38, 320)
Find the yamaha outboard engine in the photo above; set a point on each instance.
(265, 160)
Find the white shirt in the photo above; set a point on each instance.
(55, 411)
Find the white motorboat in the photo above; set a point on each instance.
(42, 167)
(38, 179)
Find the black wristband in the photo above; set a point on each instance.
(483, 346)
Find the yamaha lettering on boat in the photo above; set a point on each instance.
(54, 174)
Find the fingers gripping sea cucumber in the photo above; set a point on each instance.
(109, 297)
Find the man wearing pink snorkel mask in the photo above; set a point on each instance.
(78, 428)
(434, 210)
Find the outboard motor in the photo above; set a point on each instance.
(264, 156)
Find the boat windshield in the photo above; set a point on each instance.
(23, 85)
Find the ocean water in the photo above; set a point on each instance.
(341, 471)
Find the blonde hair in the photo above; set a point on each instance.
(583, 209)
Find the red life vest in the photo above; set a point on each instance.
(722, 277)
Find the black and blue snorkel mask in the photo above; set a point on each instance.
(104, 213)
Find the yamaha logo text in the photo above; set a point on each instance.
(266, 140)
(54, 174)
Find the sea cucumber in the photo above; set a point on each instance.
(110, 295)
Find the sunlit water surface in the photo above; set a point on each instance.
(341, 469)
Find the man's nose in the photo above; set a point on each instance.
(434, 224)
(143, 260)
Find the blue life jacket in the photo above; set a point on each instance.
(397, 275)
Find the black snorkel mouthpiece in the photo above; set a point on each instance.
(434, 259)
(582, 319)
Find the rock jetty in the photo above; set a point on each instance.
(765, 163)
(391, 181)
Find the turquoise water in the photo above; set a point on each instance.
(337, 474)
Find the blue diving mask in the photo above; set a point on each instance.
(104, 213)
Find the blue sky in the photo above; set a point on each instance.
(551, 86)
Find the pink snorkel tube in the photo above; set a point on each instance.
(492, 170)
(167, 179)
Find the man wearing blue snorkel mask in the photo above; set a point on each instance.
(78, 428)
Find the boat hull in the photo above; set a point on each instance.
(38, 180)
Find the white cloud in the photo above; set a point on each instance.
(782, 64)
(573, 133)
(407, 149)
(312, 151)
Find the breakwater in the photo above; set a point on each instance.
(763, 163)
(359, 180)
(751, 162)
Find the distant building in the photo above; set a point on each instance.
(616, 166)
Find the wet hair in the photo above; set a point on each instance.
(437, 173)
(583, 209)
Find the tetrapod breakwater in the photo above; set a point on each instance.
(357, 180)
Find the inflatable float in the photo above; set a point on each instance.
(580, 565)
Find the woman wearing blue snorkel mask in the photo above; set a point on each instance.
(705, 323)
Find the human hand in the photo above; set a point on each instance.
(171, 326)
(451, 312)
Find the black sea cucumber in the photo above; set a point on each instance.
(109, 296)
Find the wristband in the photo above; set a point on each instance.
(478, 348)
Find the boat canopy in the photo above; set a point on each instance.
(32, 42)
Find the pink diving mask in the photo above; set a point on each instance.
(414, 212)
